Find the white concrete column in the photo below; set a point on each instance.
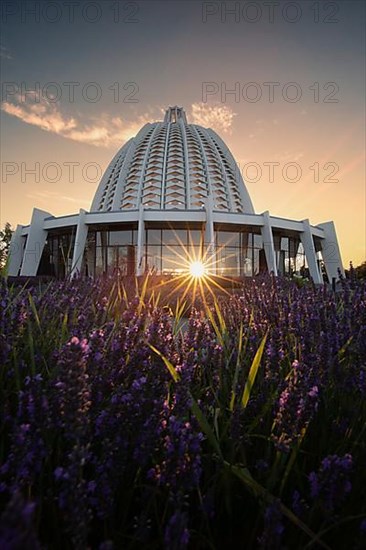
(37, 236)
(140, 242)
(16, 252)
(79, 246)
(268, 243)
(330, 251)
(309, 249)
(209, 255)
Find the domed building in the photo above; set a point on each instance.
(171, 196)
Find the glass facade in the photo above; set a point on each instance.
(290, 255)
(57, 254)
(239, 254)
(320, 258)
(169, 251)
(110, 251)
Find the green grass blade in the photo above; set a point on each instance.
(175, 375)
(220, 317)
(236, 374)
(214, 326)
(125, 295)
(344, 348)
(178, 315)
(34, 310)
(205, 426)
(253, 373)
(292, 460)
(260, 492)
(64, 328)
(142, 295)
(31, 349)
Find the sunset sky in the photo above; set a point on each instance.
(128, 61)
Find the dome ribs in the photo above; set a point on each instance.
(173, 165)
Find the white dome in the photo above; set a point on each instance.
(173, 165)
(172, 193)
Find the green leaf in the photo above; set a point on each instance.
(218, 333)
(167, 363)
(141, 295)
(260, 492)
(31, 348)
(220, 317)
(205, 426)
(292, 459)
(237, 367)
(253, 372)
(64, 328)
(35, 312)
(343, 349)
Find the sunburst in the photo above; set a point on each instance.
(197, 269)
(193, 271)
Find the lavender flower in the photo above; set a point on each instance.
(95, 430)
(297, 406)
(331, 484)
(273, 528)
(176, 535)
(17, 529)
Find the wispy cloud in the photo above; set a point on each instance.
(108, 131)
(101, 131)
(44, 114)
(217, 117)
(287, 156)
(4, 52)
(44, 197)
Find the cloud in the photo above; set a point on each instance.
(287, 156)
(217, 117)
(45, 197)
(101, 131)
(108, 131)
(4, 53)
(44, 114)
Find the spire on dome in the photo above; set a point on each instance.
(173, 114)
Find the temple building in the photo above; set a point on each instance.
(173, 195)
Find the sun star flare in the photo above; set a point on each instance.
(197, 269)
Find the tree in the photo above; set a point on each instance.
(5, 238)
(361, 271)
(358, 272)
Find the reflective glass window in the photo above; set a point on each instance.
(121, 237)
(153, 236)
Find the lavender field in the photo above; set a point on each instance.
(234, 422)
